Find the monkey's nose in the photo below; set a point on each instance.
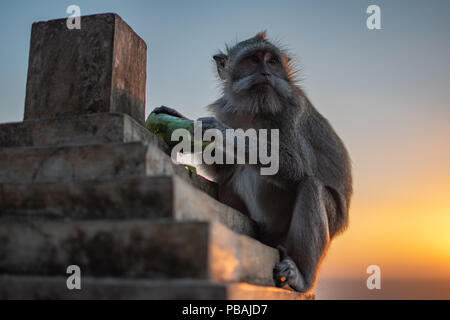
(265, 74)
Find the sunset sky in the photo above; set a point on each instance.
(386, 92)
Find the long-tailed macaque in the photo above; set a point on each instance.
(302, 207)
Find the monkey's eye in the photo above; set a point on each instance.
(273, 60)
(253, 58)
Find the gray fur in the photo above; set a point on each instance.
(306, 204)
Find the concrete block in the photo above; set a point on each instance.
(88, 129)
(135, 249)
(106, 161)
(99, 68)
(159, 197)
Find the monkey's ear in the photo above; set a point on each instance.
(221, 60)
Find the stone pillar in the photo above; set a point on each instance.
(99, 68)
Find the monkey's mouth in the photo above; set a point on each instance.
(262, 85)
(256, 84)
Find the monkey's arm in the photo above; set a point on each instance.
(169, 111)
(290, 165)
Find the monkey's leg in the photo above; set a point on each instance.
(169, 111)
(307, 238)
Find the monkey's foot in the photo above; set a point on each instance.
(287, 273)
(169, 111)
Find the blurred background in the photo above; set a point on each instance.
(386, 92)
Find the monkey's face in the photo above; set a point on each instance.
(258, 72)
(260, 75)
(256, 76)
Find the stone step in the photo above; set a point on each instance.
(123, 198)
(135, 249)
(55, 288)
(84, 162)
(98, 128)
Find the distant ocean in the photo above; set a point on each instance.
(403, 289)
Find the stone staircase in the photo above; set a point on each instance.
(90, 186)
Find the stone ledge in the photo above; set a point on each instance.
(158, 197)
(97, 128)
(135, 249)
(44, 288)
(87, 162)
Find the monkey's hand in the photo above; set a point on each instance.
(286, 272)
(212, 123)
(169, 111)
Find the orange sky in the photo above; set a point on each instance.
(400, 214)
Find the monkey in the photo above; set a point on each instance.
(301, 208)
